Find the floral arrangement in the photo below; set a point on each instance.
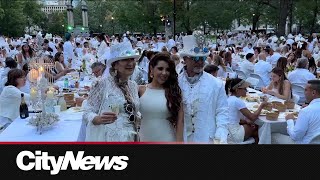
(43, 120)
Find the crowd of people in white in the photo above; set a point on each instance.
(173, 90)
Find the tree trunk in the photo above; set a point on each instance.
(255, 20)
(314, 18)
(187, 24)
(283, 17)
(290, 15)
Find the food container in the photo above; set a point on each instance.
(289, 104)
(280, 107)
(274, 103)
(268, 107)
(272, 116)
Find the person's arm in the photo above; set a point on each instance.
(297, 131)
(221, 115)
(19, 58)
(91, 108)
(253, 116)
(180, 124)
(59, 67)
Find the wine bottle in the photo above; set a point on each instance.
(228, 77)
(24, 112)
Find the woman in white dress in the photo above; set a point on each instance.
(279, 86)
(25, 56)
(111, 112)
(161, 103)
(241, 120)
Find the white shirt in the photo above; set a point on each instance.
(300, 76)
(102, 49)
(170, 44)
(235, 105)
(10, 100)
(274, 58)
(290, 41)
(221, 72)
(67, 51)
(53, 47)
(263, 68)
(247, 67)
(307, 125)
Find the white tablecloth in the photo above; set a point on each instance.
(267, 127)
(66, 130)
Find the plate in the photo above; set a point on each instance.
(76, 109)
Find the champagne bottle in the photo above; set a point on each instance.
(24, 112)
(228, 77)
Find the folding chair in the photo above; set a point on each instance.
(315, 140)
(253, 81)
(299, 90)
(261, 83)
(241, 74)
(229, 69)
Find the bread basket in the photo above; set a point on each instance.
(274, 103)
(289, 104)
(68, 97)
(272, 116)
(281, 107)
(268, 107)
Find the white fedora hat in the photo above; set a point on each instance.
(193, 46)
(122, 51)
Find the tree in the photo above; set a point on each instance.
(13, 18)
(57, 23)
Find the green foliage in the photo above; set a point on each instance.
(144, 15)
(16, 15)
(57, 23)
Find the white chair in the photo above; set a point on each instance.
(315, 140)
(241, 74)
(253, 81)
(295, 98)
(299, 90)
(261, 83)
(229, 69)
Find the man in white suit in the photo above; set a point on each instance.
(204, 97)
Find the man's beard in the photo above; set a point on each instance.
(197, 70)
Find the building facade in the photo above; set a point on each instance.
(53, 6)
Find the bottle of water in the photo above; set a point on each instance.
(66, 83)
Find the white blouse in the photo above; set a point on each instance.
(10, 100)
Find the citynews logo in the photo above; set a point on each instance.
(42, 161)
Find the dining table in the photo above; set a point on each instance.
(267, 127)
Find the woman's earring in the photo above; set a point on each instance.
(113, 72)
(151, 75)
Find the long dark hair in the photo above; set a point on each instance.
(171, 86)
(282, 63)
(30, 51)
(278, 71)
(13, 75)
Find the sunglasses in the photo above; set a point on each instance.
(203, 58)
(130, 111)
